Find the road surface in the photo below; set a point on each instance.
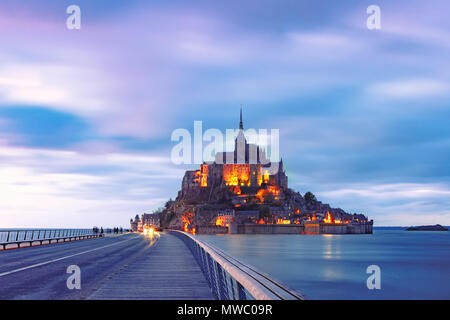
(111, 268)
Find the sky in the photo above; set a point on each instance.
(86, 116)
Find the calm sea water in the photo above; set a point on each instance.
(414, 265)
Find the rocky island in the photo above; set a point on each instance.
(436, 227)
(249, 195)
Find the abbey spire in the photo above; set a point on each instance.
(241, 135)
(241, 125)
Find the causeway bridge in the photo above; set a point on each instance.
(170, 265)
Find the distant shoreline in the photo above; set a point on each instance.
(397, 227)
(436, 227)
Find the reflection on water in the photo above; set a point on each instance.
(414, 265)
(331, 252)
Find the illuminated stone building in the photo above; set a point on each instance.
(241, 191)
(150, 219)
(134, 223)
(225, 217)
(247, 166)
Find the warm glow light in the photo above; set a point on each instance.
(283, 221)
(204, 175)
(148, 230)
(186, 218)
(236, 174)
(329, 218)
(262, 193)
(197, 174)
(273, 190)
(224, 220)
(237, 190)
(266, 176)
(259, 179)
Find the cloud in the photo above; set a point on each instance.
(54, 188)
(6, 136)
(340, 94)
(395, 204)
(410, 89)
(389, 192)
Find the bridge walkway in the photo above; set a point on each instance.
(167, 271)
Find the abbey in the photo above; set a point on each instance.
(242, 191)
(246, 166)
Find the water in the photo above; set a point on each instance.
(414, 265)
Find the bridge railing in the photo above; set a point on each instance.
(231, 279)
(19, 236)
